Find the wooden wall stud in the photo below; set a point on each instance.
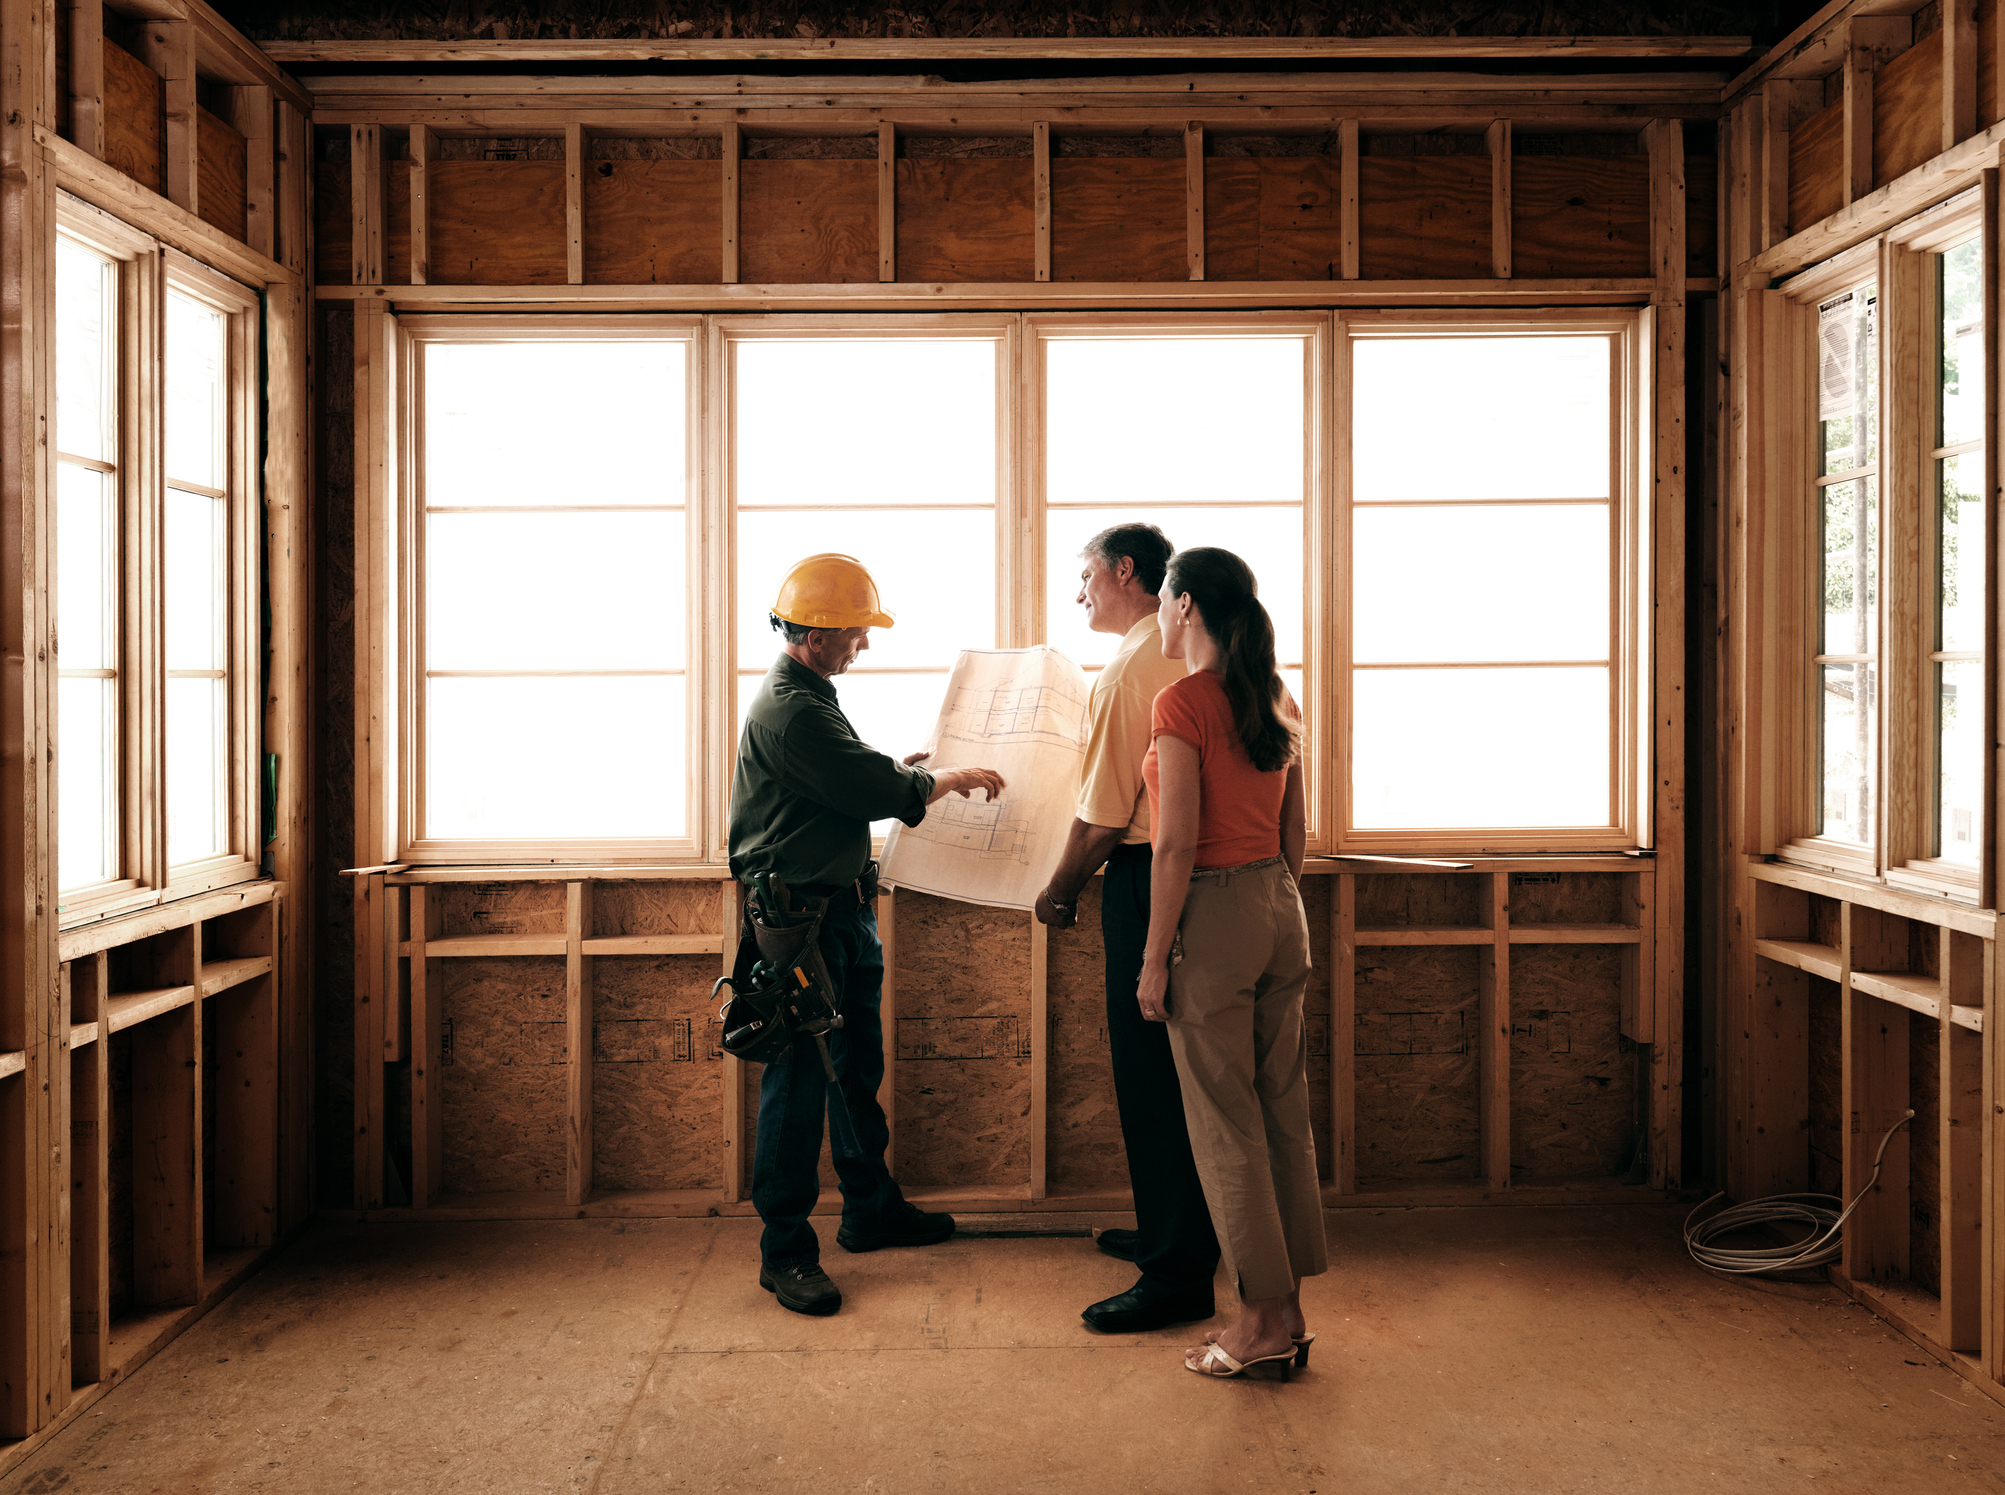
(574, 203)
(731, 914)
(734, 152)
(578, 1041)
(1040, 1056)
(367, 212)
(428, 992)
(887, 202)
(1959, 71)
(1870, 41)
(85, 19)
(424, 149)
(1875, 1049)
(1040, 197)
(251, 117)
(1959, 1141)
(1194, 198)
(168, 47)
(1493, 987)
(1347, 207)
(1498, 139)
(1343, 1025)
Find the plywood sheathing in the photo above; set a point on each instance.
(497, 222)
(1273, 218)
(657, 1072)
(134, 136)
(653, 148)
(963, 1043)
(1416, 1064)
(965, 218)
(1575, 215)
(653, 221)
(1115, 218)
(504, 1075)
(1388, 901)
(220, 166)
(1907, 110)
(1817, 166)
(807, 221)
(1574, 1108)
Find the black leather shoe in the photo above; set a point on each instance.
(803, 1287)
(915, 1227)
(1144, 1307)
(1122, 1244)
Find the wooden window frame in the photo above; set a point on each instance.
(1631, 593)
(1313, 328)
(146, 270)
(413, 334)
(1899, 263)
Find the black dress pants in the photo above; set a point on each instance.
(1178, 1247)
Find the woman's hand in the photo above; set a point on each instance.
(1154, 991)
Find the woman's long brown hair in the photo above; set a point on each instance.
(1224, 590)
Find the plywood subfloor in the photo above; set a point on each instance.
(1497, 1350)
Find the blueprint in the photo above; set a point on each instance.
(1021, 712)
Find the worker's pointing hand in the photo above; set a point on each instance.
(971, 779)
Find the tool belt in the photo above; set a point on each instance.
(781, 990)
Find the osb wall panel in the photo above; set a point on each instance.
(807, 221)
(1573, 1086)
(134, 134)
(965, 219)
(1580, 215)
(504, 1073)
(498, 908)
(1827, 1088)
(1386, 901)
(1424, 217)
(1568, 898)
(963, 1042)
(1272, 218)
(333, 754)
(1925, 1153)
(219, 178)
(1416, 1064)
(1083, 1142)
(1702, 215)
(1907, 110)
(1817, 167)
(657, 1073)
(1118, 219)
(654, 222)
(657, 908)
(497, 222)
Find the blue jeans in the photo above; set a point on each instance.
(793, 1097)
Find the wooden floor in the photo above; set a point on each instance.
(1496, 1350)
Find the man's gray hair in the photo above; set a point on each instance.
(1148, 547)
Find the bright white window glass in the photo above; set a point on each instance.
(1119, 429)
(197, 544)
(570, 605)
(541, 590)
(1481, 747)
(1958, 655)
(1268, 539)
(86, 352)
(1962, 345)
(1469, 584)
(810, 421)
(1849, 750)
(555, 424)
(87, 759)
(555, 757)
(87, 558)
(1961, 553)
(1960, 759)
(812, 473)
(197, 386)
(1479, 417)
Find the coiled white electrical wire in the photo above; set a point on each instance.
(1817, 1211)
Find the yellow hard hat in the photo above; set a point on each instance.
(830, 591)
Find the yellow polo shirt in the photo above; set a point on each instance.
(1110, 779)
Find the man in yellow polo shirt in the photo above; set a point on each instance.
(1173, 1242)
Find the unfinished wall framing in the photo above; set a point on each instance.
(1854, 985)
(1482, 1035)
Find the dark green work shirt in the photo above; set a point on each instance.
(807, 787)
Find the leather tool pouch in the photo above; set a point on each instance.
(780, 987)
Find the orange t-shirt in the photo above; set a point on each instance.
(1239, 807)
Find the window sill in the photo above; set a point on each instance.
(1936, 879)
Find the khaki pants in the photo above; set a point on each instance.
(1242, 1055)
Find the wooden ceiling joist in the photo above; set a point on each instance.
(1314, 49)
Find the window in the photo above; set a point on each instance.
(600, 511)
(1957, 481)
(1120, 446)
(814, 466)
(155, 571)
(1847, 485)
(552, 523)
(1492, 576)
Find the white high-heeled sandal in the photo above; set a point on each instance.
(1217, 1362)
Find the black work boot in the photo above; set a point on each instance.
(910, 1226)
(802, 1286)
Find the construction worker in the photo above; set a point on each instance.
(802, 800)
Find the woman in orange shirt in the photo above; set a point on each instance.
(1227, 960)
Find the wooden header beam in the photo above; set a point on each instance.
(1321, 49)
